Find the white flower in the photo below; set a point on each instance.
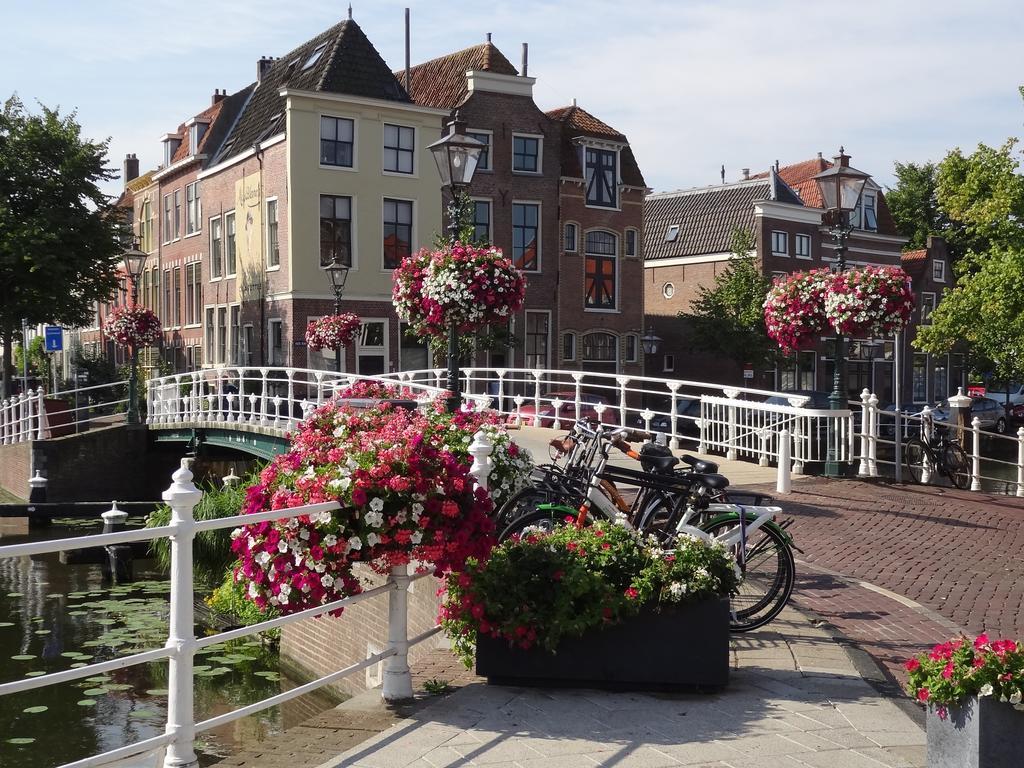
(327, 580)
(286, 589)
(376, 503)
(254, 591)
(1015, 697)
(417, 537)
(677, 589)
(263, 558)
(986, 690)
(372, 539)
(374, 519)
(330, 540)
(282, 546)
(304, 534)
(355, 543)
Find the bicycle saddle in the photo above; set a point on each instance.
(700, 466)
(712, 480)
(655, 463)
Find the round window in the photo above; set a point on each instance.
(668, 290)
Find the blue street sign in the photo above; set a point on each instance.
(54, 338)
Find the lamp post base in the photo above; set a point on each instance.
(455, 396)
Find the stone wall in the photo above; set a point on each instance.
(317, 647)
(15, 468)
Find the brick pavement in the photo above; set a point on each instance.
(953, 553)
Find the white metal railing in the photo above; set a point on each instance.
(182, 643)
(29, 416)
(275, 398)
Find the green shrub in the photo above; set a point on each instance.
(230, 598)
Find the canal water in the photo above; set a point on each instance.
(55, 617)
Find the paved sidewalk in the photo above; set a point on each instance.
(795, 699)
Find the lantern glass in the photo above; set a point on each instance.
(456, 156)
(134, 262)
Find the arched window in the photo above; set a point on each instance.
(601, 249)
(600, 347)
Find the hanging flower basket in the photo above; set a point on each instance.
(332, 331)
(405, 494)
(869, 301)
(794, 310)
(133, 327)
(461, 285)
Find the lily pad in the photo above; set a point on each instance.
(37, 673)
(118, 687)
(144, 713)
(15, 594)
(6, 623)
(157, 692)
(42, 632)
(87, 702)
(95, 691)
(34, 710)
(23, 657)
(78, 665)
(69, 654)
(21, 740)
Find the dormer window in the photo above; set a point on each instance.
(865, 215)
(601, 177)
(171, 142)
(196, 131)
(672, 233)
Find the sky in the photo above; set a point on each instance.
(693, 84)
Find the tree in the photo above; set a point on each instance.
(59, 238)
(728, 317)
(986, 310)
(914, 203)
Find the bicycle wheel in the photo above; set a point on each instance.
(915, 456)
(540, 520)
(522, 503)
(957, 466)
(769, 572)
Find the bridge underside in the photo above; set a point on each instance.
(264, 444)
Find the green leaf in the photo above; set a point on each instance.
(34, 710)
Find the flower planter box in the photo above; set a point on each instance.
(684, 647)
(983, 733)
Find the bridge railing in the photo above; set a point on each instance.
(182, 643)
(36, 415)
(271, 397)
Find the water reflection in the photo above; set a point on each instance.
(55, 616)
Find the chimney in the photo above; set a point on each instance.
(526, 58)
(746, 174)
(262, 67)
(131, 168)
(488, 37)
(819, 155)
(723, 174)
(218, 96)
(776, 165)
(408, 65)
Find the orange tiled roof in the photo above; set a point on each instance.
(208, 114)
(914, 261)
(582, 121)
(441, 82)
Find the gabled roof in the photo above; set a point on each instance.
(577, 122)
(914, 262)
(706, 218)
(338, 60)
(441, 82)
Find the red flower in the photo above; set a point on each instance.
(631, 593)
(922, 695)
(911, 665)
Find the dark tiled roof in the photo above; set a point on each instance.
(348, 64)
(576, 121)
(441, 82)
(914, 262)
(706, 218)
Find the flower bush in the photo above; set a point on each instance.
(404, 494)
(460, 284)
(365, 389)
(133, 327)
(869, 301)
(332, 331)
(960, 668)
(794, 309)
(541, 588)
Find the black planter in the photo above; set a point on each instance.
(678, 648)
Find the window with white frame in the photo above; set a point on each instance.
(168, 222)
(413, 351)
(482, 221)
(939, 271)
(335, 230)
(166, 314)
(222, 335)
(668, 363)
(273, 246)
(397, 232)
(337, 140)
(631, 242)
(600, 347)
(919, 378)
(570, 238)
(177, 214)
(927, 307)
(632, 346)
(802, 245)
(177, 296)
(601, 177)
(526, 154)
(600, 271)
(248, 345)
(668, 290)
(780, 243)
(865, 215)
(230, 254)
(525, 232)
(193, 294)
(371, 348)
(216, 247)
(672, 233)
(537, 333)
(275, 334)
(210, 331)
(568, 347)
(399, 148)
(483, 163)
(193, 209)
(237, 353)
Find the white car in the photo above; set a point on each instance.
(1016, 391)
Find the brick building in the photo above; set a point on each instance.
(688, 238)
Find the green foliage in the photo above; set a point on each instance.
(436, 687)
(59, 242)
(983, 196)
(986, 310)
(957, 669)
(914, 203)
(38, 360)
(230, 598)
(728, 317)
(546, 586)
(212, 554)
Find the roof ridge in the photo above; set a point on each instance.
(709, 188)
(487, 46)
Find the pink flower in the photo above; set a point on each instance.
(631, 593)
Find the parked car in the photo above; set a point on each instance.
(567, 409)
(1014, 393)
(1016, 416)
(687, 411)
(910, 427)
(990, 413)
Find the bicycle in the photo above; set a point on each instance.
(762, 549)
(923, 457)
